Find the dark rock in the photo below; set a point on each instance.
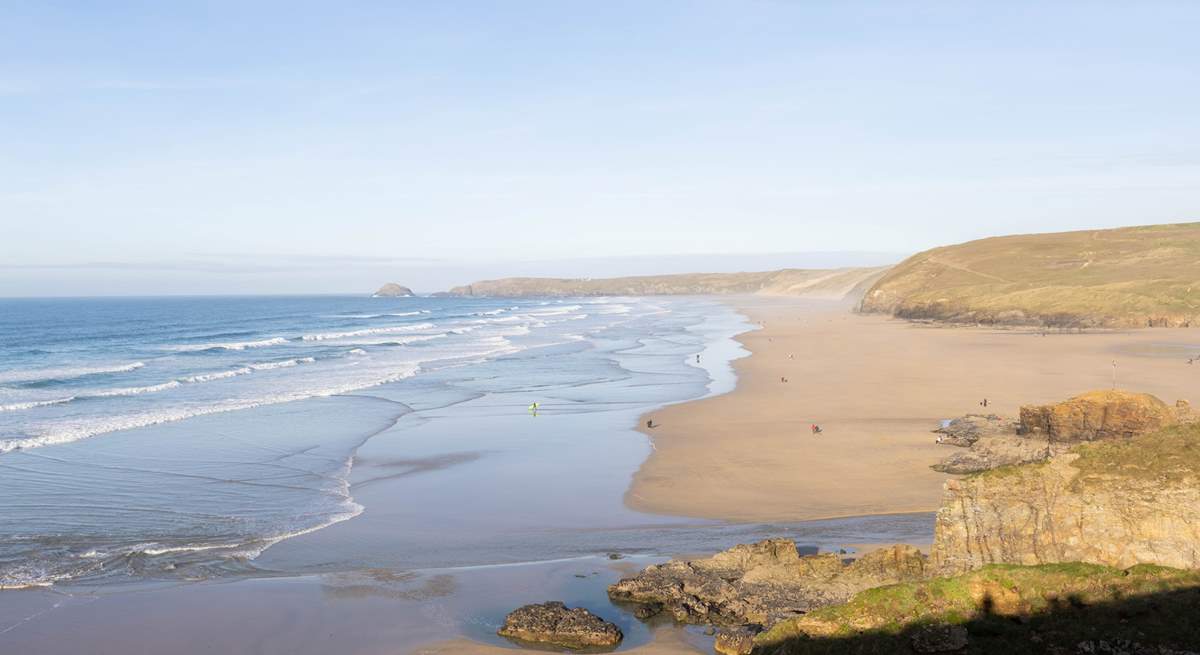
(939, 639)
(648, 610)
(734, 642)
(555, 623)
(615, 556)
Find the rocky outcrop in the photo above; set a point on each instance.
(992, 452)
(763, 583)
(556, 624)
(393, 290)
(1097, 415)
(966, 430)
(1118, 503)
(987, 442)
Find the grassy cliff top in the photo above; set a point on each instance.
(1132, 276)
(1169, 456)
(1002, 607)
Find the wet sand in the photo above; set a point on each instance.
(876, 386)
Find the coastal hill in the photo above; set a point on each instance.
(813, 283)
(1125, 277)
(393, 290)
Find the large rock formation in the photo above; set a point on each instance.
(762, 583)
(1118, 502)
(393, 290)
(554, 623)
(1097, 415)
(1045, 430)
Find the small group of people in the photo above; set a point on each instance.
(816, 429)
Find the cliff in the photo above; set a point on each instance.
(1127, 277)
(1097, 415)
(817, 283)
(393, 290)
(1003, 610)
(1119, 502)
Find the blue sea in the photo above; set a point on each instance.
(145, 436)
(182, 439)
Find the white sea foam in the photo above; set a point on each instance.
(384, 315)
(233, 345)
(220, 375)
(44, 374)
(397, 341)
(326, 336)
(68, 432)
(503, 319)
(287, 363)
(15, 407)
(133, 391)
(566, 309)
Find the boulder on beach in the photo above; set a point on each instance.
(556, 624)
(393, 290)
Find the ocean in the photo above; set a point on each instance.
(182, 437)
(150, 440)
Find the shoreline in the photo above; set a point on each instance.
(877, 386)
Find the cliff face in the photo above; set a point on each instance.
(829, 284)
(1127, 277)
(1097, 415)
(1117, 503)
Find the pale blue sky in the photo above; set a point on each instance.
(161, 147)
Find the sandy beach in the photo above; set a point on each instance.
(876, 386)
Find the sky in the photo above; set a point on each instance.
(315, 147)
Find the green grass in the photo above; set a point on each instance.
(1169, 456)
(1009, 594)
(1116, 277)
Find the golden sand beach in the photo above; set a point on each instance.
(876, 386)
